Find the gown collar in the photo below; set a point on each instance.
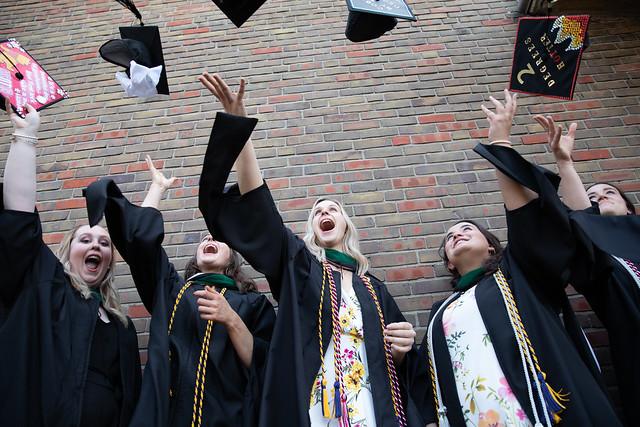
(341, 259)
(469, 279)
(213, 279)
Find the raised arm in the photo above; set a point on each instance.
(249, 176)
(159, 185)
(500, 121)
(20, 170)
(571, 187)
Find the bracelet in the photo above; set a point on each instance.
(500, 141)
(33, 140)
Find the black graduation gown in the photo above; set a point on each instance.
(252, 225)
(536, 265)
(46, 330)
(231, 390)
(612, 292)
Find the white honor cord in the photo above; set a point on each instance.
(525, 353)
(443, 421)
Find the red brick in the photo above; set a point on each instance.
(427, 47)
(409, 273)
(179, 22)
(445, 127)
(70, 204)
(137, 311)
(364, 164)
(79, 182)
(590, 155)
(53, 238)
(142, 166)
(195, 31)
(401, 140)
(266, 50)
(414, 181)
(277, 183)
(497, 22)
(418, 205)
(114, 134)
(82, 122)
(536, 138)
(83, 56)
(284, 98)
(436, 118)
(433, 137)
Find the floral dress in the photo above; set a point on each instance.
(485, 396)
(355, 370)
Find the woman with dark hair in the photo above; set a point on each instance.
(498, 352)
(609, 280)
(69, 355)
(209, 331)
(342, 350)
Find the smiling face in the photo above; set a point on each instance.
(466, 247)
(329, 225)
(212, 256)
(90, 254)
(608, 199)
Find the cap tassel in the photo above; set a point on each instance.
(344, 420)
(336, 399)
(553, 399)
(326, 411)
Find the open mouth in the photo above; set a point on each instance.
(327, 224)
(92, 262)
(457, 242)
(210, 249)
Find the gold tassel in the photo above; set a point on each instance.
(326, 411)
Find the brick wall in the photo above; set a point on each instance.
(386, 127)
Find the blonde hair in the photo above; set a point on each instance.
(350, 241)
(110, 298)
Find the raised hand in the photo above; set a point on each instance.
(158, 177)
(401, 337)
(501, 120)
(233, 103)
(27, 126)
(561, 145)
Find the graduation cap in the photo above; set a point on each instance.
(146, 75)
(238, 11)
(547, 54)
(370, 19)
(23, 80)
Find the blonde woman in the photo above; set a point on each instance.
(341, 347)
(69, 354)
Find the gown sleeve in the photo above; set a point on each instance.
(137, 232)
(539, 233)
(261, 327)
(250, 222)
(20, 243)
(413, 372)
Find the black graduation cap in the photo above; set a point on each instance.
(370, 19)
(141, 44)
(547, 55)
(238, 11)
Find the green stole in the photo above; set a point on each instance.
(341, 259)
(214, 280)
(469, 279)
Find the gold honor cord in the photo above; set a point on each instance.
(201, 372)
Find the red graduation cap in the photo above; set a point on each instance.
(23, 81)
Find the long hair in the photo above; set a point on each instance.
(350, 241)
(627, 201)
(490, 265)
(110, 298)
(233, 269)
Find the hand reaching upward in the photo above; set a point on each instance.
(561, 145)
(233, 103)
(501, 120)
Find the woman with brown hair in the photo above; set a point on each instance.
(606, 269)
(342, 350)
(498, 351)
(69, 354)
(210, 329)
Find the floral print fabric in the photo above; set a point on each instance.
(355, 374)
(483, 390)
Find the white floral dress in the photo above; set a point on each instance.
(485, 396)
(355, 370)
